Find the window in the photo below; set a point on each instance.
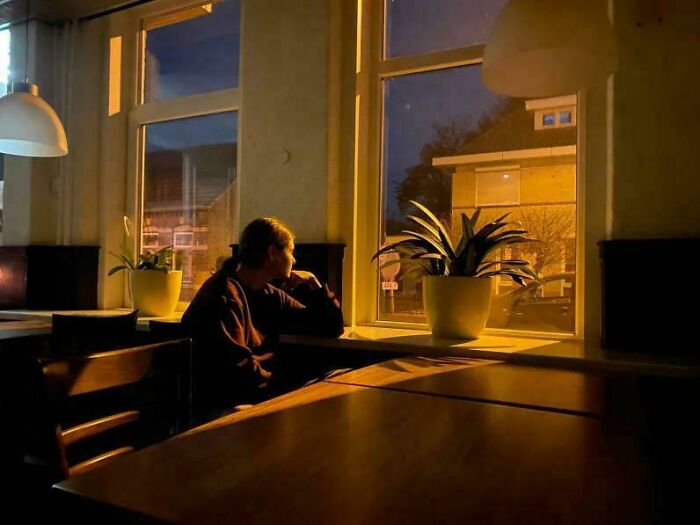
(498, 186)
(451, 144)
(420, 26)
(149, 240)
(4, 60)
(182, 240)
(191, 51)
(553, 112)
(187, 136)
(195, 160)
(4, 84)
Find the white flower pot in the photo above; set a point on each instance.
(156, 293)
(456, 307)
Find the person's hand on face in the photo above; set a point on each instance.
(299, 277)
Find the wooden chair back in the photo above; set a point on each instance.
(106, 404)
(86, 334)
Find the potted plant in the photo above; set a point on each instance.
(154, 284)
(457, 280)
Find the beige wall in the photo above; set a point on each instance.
(284, 115)
(656, 189)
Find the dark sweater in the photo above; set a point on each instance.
(236, 330)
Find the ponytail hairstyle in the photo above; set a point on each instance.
(258, 236)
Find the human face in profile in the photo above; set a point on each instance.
(283, 260)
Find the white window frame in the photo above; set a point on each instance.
(131, 27)
(371, 70)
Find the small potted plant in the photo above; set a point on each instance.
(154, 284)
(457, 280)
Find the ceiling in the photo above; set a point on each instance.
(55, 11)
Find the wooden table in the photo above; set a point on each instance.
(18, 329)
(565, 391)
(407, 453)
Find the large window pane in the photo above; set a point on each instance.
(453, 145)
(190, 192)
(192, 51)
(452, 24)
(4, 60)
(4, 81)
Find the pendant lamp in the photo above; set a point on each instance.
(29, 126)
(544, 48)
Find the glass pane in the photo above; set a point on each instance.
(192, 51)
(190, 193)
(452, 145)
(4, 60)
(4, 81)
(453, 24)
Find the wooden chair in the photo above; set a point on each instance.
(100, 406)
(86, 334)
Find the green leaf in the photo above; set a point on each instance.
(490, 229)
(507, 233)
(435, 244)
(124, 260)
(475, 218)
(508, 272)
(467, 226)
(427, 256)
(396, 246)
(425, 225)
(118, 269)
(441, 229)
(500, 219)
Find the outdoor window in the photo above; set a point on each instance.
(192, 51)
(451, 144)
(420, 26)
(149, 240)
(4, 83)
(182, 240)
(195, 159)
(187, 133)
(498, 187)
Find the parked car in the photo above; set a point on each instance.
(527, 308)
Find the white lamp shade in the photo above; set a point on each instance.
(29, 127)
(543, 48)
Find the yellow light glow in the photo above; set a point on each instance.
(358, 49)
(356, 174)
(115, 75)
(178, 16)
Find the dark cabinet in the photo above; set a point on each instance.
(49, 277)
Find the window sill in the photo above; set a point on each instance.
(568, 354)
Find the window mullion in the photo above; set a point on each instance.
(431, 61)
(185, 107)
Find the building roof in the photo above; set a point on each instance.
(516, 131)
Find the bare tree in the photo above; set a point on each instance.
(552, 226)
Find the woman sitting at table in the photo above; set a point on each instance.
(237, 315)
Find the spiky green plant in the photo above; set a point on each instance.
(161, 260)
(432, 251)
